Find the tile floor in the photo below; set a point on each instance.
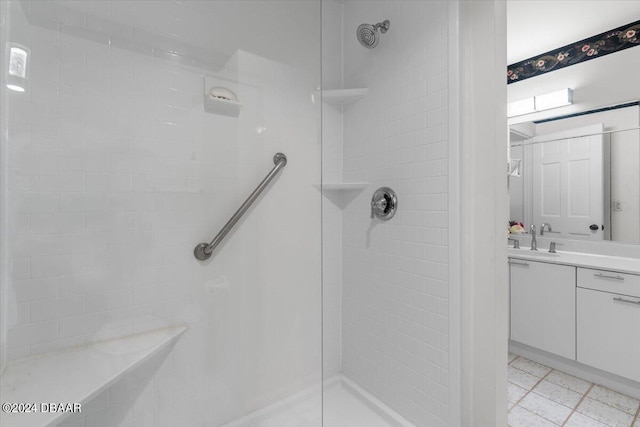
(543, 397)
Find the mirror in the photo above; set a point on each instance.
(605, 90)
(579, 174)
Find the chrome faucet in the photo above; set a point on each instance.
(545, 224)
(534, 242)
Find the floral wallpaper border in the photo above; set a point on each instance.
(593, 47)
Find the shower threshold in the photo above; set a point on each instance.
(345, 405)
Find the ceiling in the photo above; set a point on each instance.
(538, 26)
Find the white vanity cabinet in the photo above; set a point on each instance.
(608, 321)
(543, 306)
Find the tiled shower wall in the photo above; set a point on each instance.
(395, 284)
(116, 172)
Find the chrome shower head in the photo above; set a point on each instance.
(368, 36)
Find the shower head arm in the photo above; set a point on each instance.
(383, 26)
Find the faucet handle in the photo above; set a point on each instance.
(552, 247)
(378, 205)
(534, 242)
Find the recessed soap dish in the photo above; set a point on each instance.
(220, 100)
(223, 94)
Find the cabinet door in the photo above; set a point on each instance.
(609, 332)
(543, 306)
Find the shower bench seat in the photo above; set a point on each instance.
(75, 375)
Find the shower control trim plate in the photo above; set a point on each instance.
(384, 203)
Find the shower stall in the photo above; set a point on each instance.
(229, 213)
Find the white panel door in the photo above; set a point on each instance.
(548, 184)
(543, 306)
(568, 182)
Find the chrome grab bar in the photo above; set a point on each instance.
(203, 251)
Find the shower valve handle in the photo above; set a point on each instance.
(378, 206)
(384, 203)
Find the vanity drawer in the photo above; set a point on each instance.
(609, 281)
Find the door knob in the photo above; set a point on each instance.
(384, 203)
(594, 227)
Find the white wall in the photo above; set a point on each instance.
(395, 281)
(483, 213)
(116, 172)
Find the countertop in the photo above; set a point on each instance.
(598, 262)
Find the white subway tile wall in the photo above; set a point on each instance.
(395, 284)
(116, 173)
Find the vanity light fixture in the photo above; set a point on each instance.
(556, 99)
(519, 108)
(17, 77)
(547, 101)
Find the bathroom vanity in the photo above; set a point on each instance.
(581, 307)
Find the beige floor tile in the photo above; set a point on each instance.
(579, 420)
(531, 367)
(545, 408)
(521, 378)
(568, 381)
(520, 417)
(558, 393)
(550, 402)
(604, 413)
(615, 399)
(515, 392)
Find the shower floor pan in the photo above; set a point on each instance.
(345, 405)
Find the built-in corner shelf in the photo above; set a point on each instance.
(341, 186)
(343, 96)
(76, 375)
